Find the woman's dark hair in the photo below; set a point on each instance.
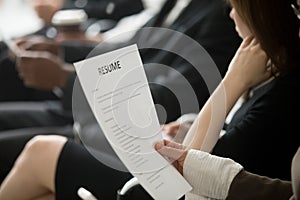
(276, 27)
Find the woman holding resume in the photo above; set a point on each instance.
(259, 57)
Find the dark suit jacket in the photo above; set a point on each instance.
(205, 21)
(98, 8)
(249, 186)
(263, 135)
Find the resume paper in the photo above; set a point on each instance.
(118, 93)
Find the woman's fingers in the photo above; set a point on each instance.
(175, 152)
(246, 42)
(173, 144)
(169, 152)
(170, 149)
(253, 42)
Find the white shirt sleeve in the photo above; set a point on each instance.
(210, 176)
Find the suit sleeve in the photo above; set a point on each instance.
(108, 9)
(248, 186)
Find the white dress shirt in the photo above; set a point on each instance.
(176, 11)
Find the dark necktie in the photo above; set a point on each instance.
(162, 15)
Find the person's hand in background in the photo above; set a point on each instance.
(45, 9)
(175, 152)
(39, 43)
(42, 70)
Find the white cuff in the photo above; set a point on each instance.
(210, 176)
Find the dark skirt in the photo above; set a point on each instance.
(78, 168)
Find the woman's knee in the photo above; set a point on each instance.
(41, 144)
(39, 148)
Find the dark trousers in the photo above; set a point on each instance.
(17, 115)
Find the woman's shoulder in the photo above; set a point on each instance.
(283, 87)
(278, 95)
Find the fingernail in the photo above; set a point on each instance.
(158, 145)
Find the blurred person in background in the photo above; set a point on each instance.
(43, 45)
(45, 9)
(12, 87)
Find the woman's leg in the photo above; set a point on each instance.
(49, 166)
(33, 174)
(13, 142)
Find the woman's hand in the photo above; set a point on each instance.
(174, 152)
(249, 65)
(45, 9)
